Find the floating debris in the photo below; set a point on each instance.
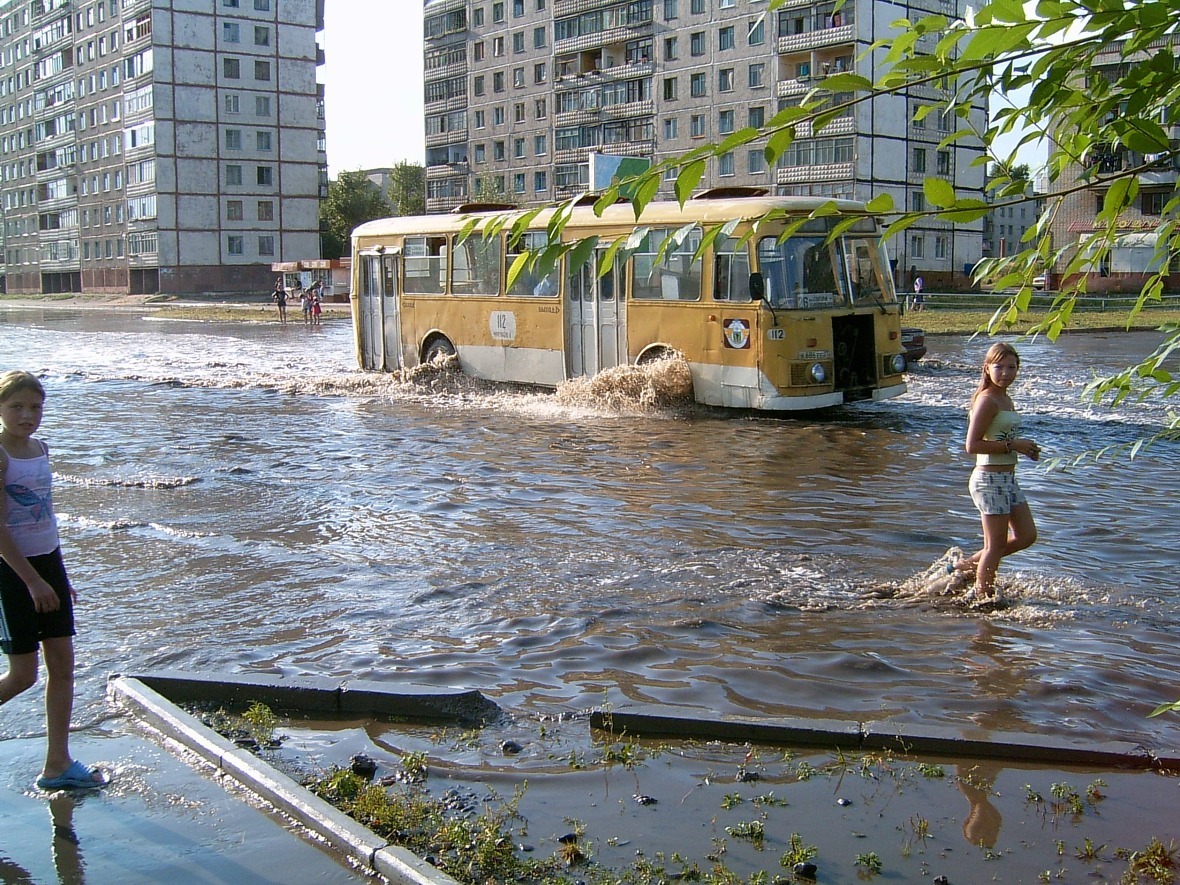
(644, 799)
(510, 748)
(363, 766)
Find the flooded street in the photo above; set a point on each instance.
(236, 497)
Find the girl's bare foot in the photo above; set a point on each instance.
(967, 564)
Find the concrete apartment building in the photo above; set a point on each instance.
(1074, 221)
(158, 145)
(520, 94)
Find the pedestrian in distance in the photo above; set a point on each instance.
(279, 297)
(316, 309)
(919, 294)
(305, 297)
(36, 599)
(993, 437)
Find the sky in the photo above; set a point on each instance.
(372, 76)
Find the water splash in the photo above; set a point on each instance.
(652, 386)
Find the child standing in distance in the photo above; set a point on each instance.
(36, 599)
(993, 437)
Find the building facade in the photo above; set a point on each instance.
(522, 94)
(150, 146)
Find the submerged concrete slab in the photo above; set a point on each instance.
(254, 774)
(311, 694)
(1020, 747)
(788, 732)
(416, 701)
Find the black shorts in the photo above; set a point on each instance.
(22, 627)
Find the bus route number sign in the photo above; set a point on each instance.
(502, 324)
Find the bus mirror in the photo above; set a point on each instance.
(757, 287)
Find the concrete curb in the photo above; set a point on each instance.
(342, 832)
(922, 739)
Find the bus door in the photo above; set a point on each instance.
(369, 317)
(596, 328)
(390, 320)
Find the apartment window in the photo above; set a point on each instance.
(233, 174)
(697, 125)
(262, 141)
(539, 109)
(498, 116)
(540, 182)
(917, 246)
(261, 70)
(757, 75)
(477, 51)
(518, 41)
(231, 4)
(539, 72)
(498, 81)
(231, 68)
(917, 201)
(498, 11)
(670, 52)
(725, 79)
(919, 159)
(498, 47)
(235, 244)
(697, 43)
(697, 85)
(518, 148)
(517, 8)
(698, 7)
(725, 165)
(477, 17)
(670, 128)
(262, 106)
(538, 38)
(518, 78)
(264, 175)
(756, 32)
(756, 117)
(266, 245)
(497, 150)
(670, 9)
(943, 158)
(940, 244)
(669, 89)
(262, 5)
(540, 146)
(725, 122)
(231, 32)
(481, 153)
(233, 210)
(755, 162)
(480, 120)
(261, 36)
(725, 38)
(233, 104)
(477, 85)
(266, 210)
(233, 139)
(725, 4)
(518, 112)
(518, 183)
(1153, 203)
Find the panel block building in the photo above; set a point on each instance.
(147, 146)
(521, 93)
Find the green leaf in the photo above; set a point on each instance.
(689, 177)
(939, 192)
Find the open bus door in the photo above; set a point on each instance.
(596, 327)
(390, 319)
(369, 317)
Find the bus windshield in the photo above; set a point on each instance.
(809, 273)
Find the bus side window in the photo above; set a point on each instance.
(528, 281)
(425, 266)
(477, 266)
(676, 278)
(731, 272)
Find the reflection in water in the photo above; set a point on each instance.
(67, 852)
(981, 826)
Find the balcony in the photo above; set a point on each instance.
(576, 118)
(628, 109)
(573, 7)
(601, 38)
(447, 170)
(443, 72)
(440, 139)
(818, 172)
(816, 39)
(442, 105)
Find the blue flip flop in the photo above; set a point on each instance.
(76, 777)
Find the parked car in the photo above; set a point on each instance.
(914, 342)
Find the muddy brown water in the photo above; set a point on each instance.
(237, 497)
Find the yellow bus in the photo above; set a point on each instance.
(805, 323)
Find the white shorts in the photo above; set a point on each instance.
(995, 492)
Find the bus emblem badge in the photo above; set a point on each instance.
(737, 334)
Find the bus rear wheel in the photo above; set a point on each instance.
(437, 349)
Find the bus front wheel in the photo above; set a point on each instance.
(436, 349)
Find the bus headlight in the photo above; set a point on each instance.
(898, 363)
(818, 375)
